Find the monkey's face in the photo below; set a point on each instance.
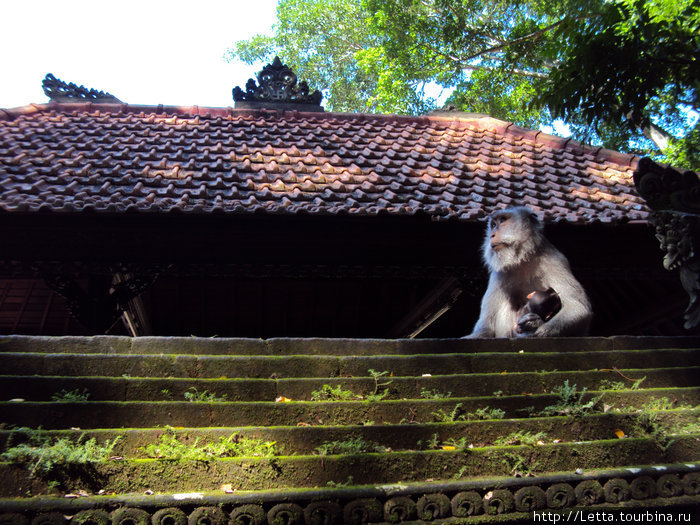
(512, 236)
(500, 231)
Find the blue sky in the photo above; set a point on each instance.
(143, 52)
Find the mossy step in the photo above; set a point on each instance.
(138, 476)
(320, 346)
(45, 388)
(291, 440)
(334, 366)
(660, 488)
(115, 414)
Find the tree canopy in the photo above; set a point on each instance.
(620, 73)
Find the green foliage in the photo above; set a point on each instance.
(378, 395)
(457, 414)
(329, 393)
(40, 453)
(610, 68)
(520, 437)
(570, 402)
(338, 393)
(459, 444)
(433, 394)
(441, 416)
(649, 423)
(486, 413)
(73, 396)
(518, 464)
(607, 384)
(349, 446)
(628, 63)
(664, 403)
(195, 396)
(169, 447)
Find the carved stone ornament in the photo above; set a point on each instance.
(677, 234)
(60, 91)
(277, 87)
(675, 198)
(665, 188)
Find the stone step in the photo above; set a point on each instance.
(447, 429)
(262, 473)
(667, 492)
(45, 388)
(307, 439)
(117, 414)
(318, 346)
(264, 367)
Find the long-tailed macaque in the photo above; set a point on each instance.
(520, 260)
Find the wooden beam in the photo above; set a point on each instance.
(434, 305)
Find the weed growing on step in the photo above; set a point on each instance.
(518, 465)
(42, 454)
(607, 384)
(689, 428)
(341, 484)
(458, 444)
(171, 448)
(520, 437)
(377, 395)
(441, 416)
(570, 402)
(457, 414)
(195, 396)
(486, 413)
(73, 396)
(648, 422)
(329, 393)
(434, 394)
(348, 446)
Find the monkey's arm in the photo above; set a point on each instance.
(493, 299)
(575, 315)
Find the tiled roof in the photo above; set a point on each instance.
(70, 157)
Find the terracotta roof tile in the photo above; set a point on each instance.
(114, 158)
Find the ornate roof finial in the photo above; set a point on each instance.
(277, 89)
(61, 91)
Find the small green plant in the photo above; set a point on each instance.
(664, 403)
(73, 396)
(166, 393)
(195, 396)
(43, 454)
(688, 428)
(607, 384)
(462, 471)
(570, 402)
(329, 393)
(441, 416)
(459, 444)
(649, 423)
(171, 448)
(486, 413)
(518, 465)
(520, 437)
(433, 394)
(349, 446)
(378, 395)
(434, 442)
(340, 484)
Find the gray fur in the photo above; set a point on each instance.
(527, 261)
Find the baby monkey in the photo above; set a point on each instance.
(540, 307)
